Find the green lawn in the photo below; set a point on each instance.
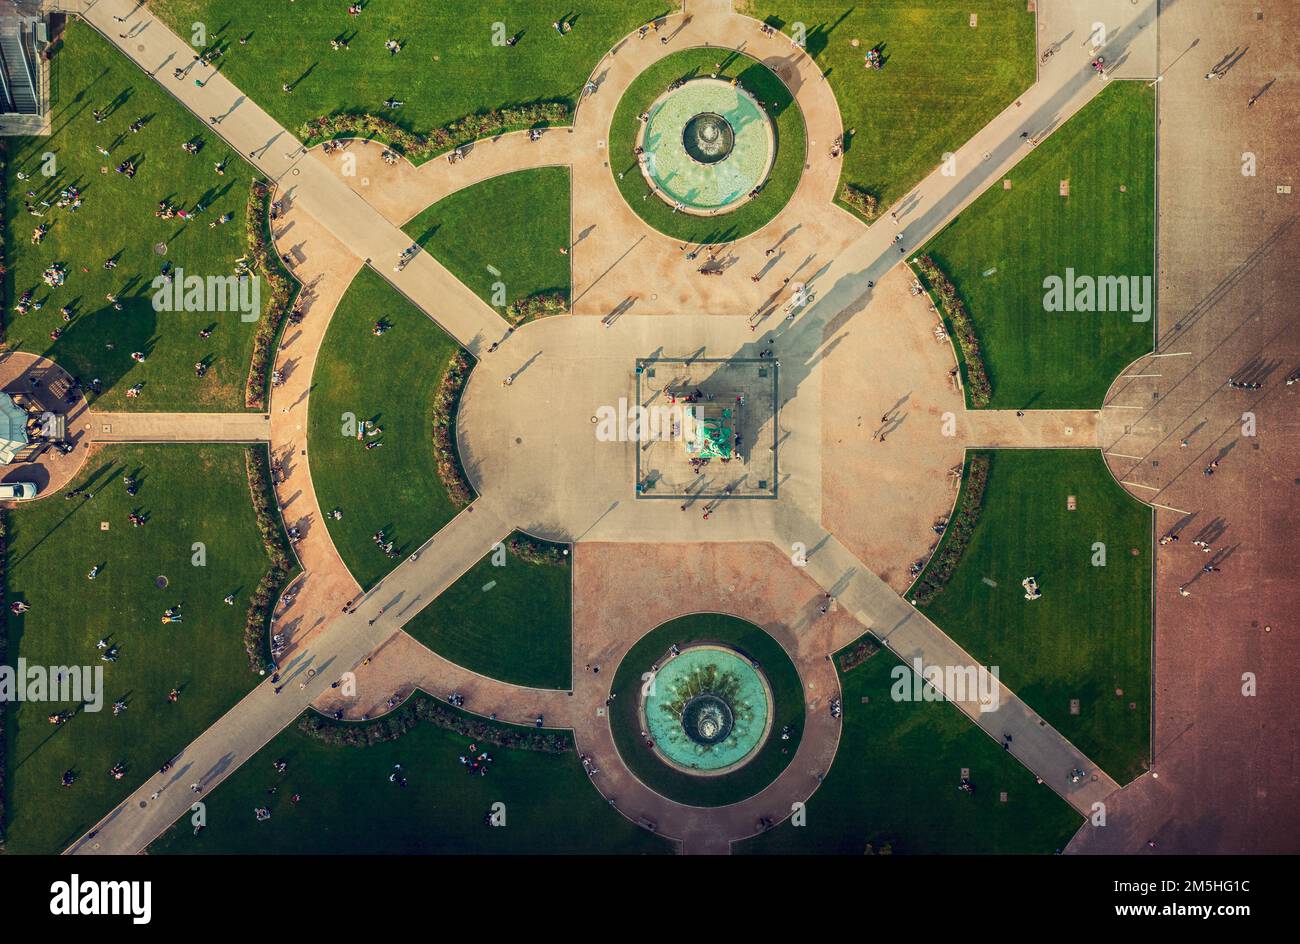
(942, 81)
(388, 381)
(348, 806)
(516, 224)
(772, 758)
(1089, 635)
(999, 251)
(117, 221)
(894, 782)
(448, 66)
(763, 84)
(509, 620)
(188, 494)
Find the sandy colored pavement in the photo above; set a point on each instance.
(325, 268)
(44, 385)
(179, 427)
(1223, 777)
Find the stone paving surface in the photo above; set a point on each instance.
(179, 427)
(1223, 774)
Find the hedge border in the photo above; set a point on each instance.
(424, 707)
(418, 148)
(953, 311)
(283, 568)
(957, 536)
(285, 292)
(446, 400)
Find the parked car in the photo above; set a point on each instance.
(17, 491)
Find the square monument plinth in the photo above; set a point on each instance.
(708, 428)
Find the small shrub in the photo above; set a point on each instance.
(864, 650)
(537, 306)
(861, 200)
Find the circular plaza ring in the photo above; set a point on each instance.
(707, 146)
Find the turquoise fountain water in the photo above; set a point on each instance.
(707, 144)
(708, 710)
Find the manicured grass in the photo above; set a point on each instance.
(942, 81)
(117, 221)
(348, 805)
(760, 82)
(1089, 635)
(516, 223)
(448, 66)
(388, 381)
(506, 618)
(1043, 359)
(189, 495)
(894, 783)
(772, 758)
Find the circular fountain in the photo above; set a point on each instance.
(708, 710)
(708, 146)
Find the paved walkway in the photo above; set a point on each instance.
(326, 268)
(178, 427)
(561, 369)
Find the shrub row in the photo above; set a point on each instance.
(420, 147)
(954, 312)
(860, 199)
(422, 707)
(257, 625)
(284, 289)
(537, 306)
(445, 399)
(958, 533)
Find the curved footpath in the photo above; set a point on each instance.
(334, 641)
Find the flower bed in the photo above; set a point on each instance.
(957, 535)
(954, 312)
(261, 606)
(418, 147)
(860, 200)
(536, 551)
(445, 399)
(422, 707)
(864, 650)
(536, 306)
(284, 289)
